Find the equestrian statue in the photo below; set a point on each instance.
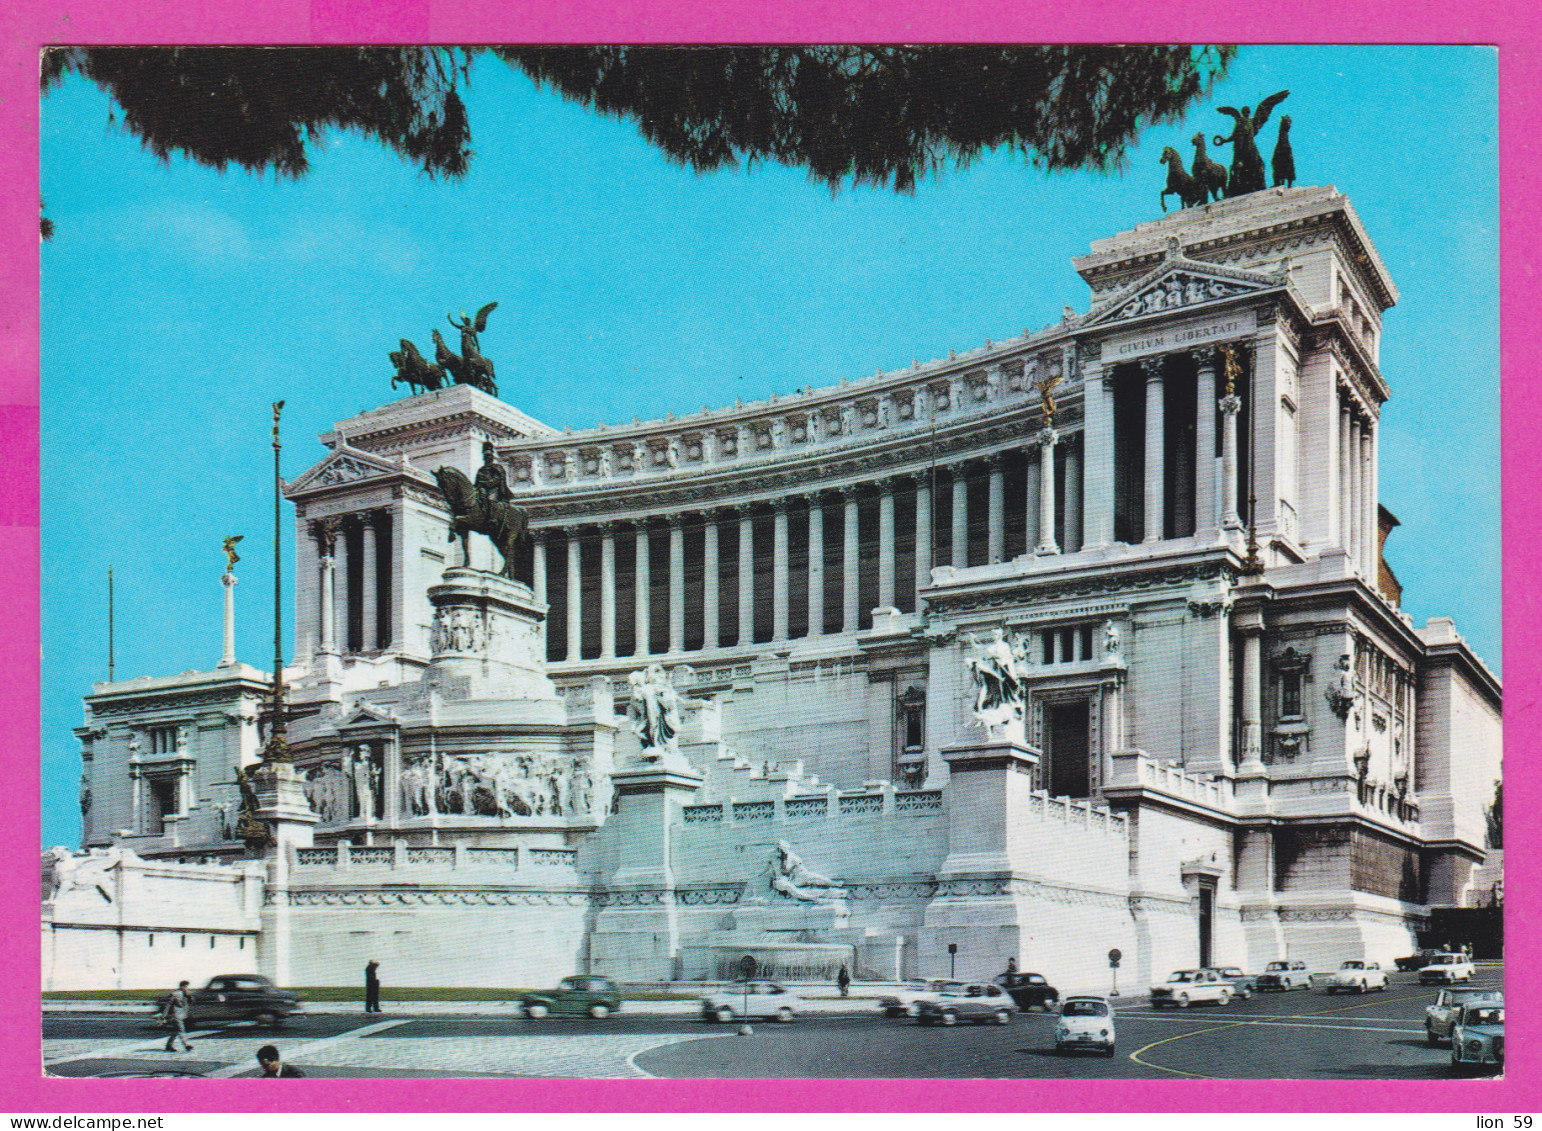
(415, 370)
(485, 506)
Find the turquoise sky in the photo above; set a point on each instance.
(178, 303)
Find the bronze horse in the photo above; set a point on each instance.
(504, 523)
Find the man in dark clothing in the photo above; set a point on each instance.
(843, 979)
(371, 987)
(178, 1005)
(273, 1067)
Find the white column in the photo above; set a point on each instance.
(886, 544)
(923, 533)
(643, 605)
(538, 565)
(370, 591)
(849, 563)
(607, 591)
(1204, 441)
(746, 577)
(340, 587)
(709, 584)
(1048, 437)
(960, 517)
(1073, 498)
(228, 656)
(1098, 455)
(1252, 694)
(816, 565)
(676, 584)
(326, 537)
(1345, 529)
(1230, 405)
(779, 579)
(575, 597)
(1372, 520)
(1357, 493)
(1156, 448)
(996, 514)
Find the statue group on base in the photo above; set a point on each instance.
(468, 367)
(1000, 693)
(1211, 180)
(484, 506)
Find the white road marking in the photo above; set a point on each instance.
(296, 1053)
(110, 1051)
(631, 1061)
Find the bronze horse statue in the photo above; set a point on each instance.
(504, 523)
(1190, 192)
(475, 371)
(415, 370)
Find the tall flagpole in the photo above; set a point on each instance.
(109, 626)
(278, 745)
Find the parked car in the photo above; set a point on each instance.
(906, 1001)
(978, 1002)
(1440, 1018)
(1478, 1038)
(1030, 991)
(1356, 975)
(582, 993)
(1086, 1023)
(238, 997)
(1242, 985)
(1415, 961)
(1284, 975)
(1184, 988)
(757, 999)
(1446, 968)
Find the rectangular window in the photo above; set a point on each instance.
(1048, 639)
(1290, 695)
(1067, 645)
(914, 731)
(1086, 632)
(163, 740)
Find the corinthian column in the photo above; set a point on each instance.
(643, 604)
(676, 584)
(1098, 455)
(1047, 438)
(575, 598)
(326, 539)
(849, 563)
(369, 590)
(960, 517)
(1156, 447)
(709, 583)
(886, 544)
(923, 533)
(779, 579)
(1204, 440)
(1346, 495)
(607, 591)
(996, 515)
(746, 577)
(1231, 405)
(816, 565)
(1252, 694)
(228, 656)
(538, 566)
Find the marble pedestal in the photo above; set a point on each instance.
(487, 641)
(282, 806)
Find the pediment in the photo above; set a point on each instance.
(345, 465)
(367, 716)
(1178, 285)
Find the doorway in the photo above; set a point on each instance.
(1068, 774)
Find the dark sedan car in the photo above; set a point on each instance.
(582, 993)
(238, 997)
(1031, 990)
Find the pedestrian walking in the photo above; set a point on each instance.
(273, 1067)
(843, 980)
(372, 987)
(178, 1006)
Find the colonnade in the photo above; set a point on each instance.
(1359, 527)
(811, 512)
(354, 560)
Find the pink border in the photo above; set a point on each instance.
(1511, 24)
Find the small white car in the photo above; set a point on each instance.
(1440, 1018)
(1284, 975)
(1185, 987)
(757, 999)
(1478, 1038)
(1086, 1023)
(1357, 976)
(906, 1001)
(1447, 969)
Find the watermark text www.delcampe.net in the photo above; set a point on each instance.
(91, 1122)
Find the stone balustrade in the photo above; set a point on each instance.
(458, 856)
(1137, 769)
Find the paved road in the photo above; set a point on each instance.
(1295, 1035)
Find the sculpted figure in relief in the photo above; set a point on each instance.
(998, 673)
(785, 873)
(654, 711)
